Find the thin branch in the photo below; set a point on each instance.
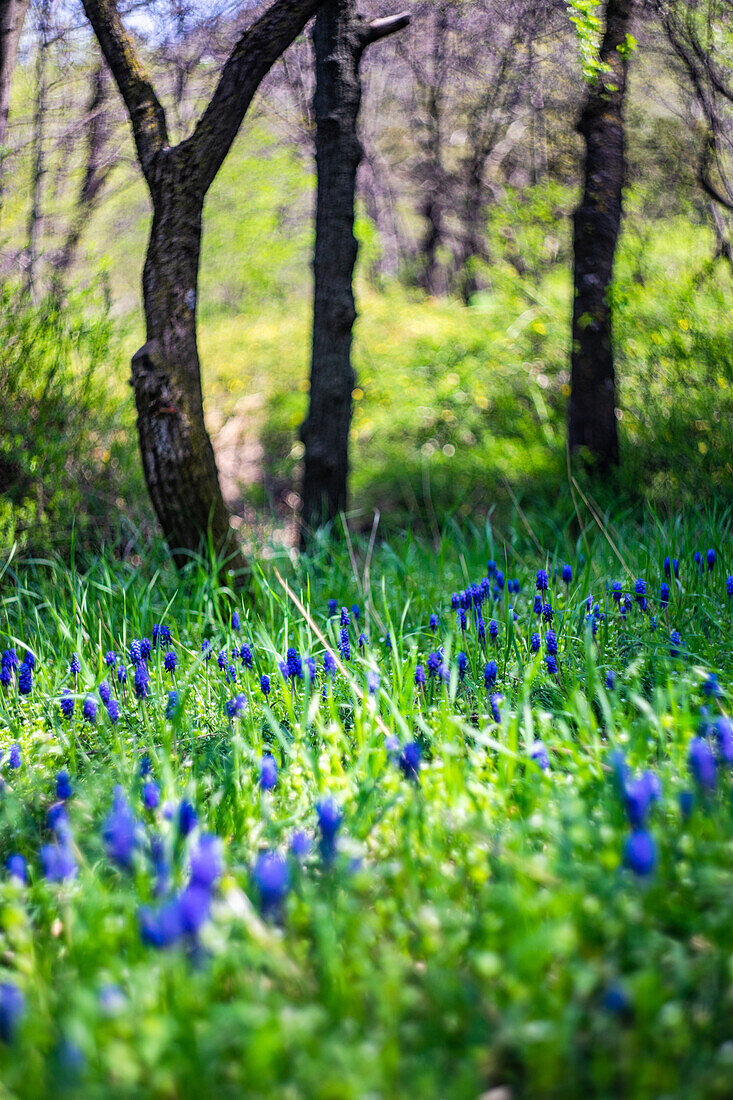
(146, 113)
(381, 28)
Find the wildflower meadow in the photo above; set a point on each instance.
(429, 820)
(366, 550)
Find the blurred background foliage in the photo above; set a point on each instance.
(459, 405)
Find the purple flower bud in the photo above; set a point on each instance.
(701, 763)
(207, 861)
(12, 1007)
(187, 818)
(142, 681)
(58, 863)
(151, 795)
(120, 832)
(640, 853)
(539, 754)
(409, 761)
(25, 679)
(490, 673)
(66, 703)
(300, 844)
(63, 786)
(268, 772)
(272, 879)
(17, 868)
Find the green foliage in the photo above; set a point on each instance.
(65, 453)
(453, 403)
(589, 29)
(476, 931)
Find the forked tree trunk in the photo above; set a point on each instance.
(592, 422)
(177, 455)
(340, 37)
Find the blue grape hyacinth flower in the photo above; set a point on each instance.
(330, 818)
(540, 755)
(271, 876)
(409, 761)
(701, 763)
(25, 679)
(640, 853)
(63, 786)
(268, 772)
(12, 1008)
(120, 832)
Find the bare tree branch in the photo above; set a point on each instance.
(252, 57)
(146, 113)
(381, 28)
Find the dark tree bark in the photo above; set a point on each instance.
(592, 408)
(12, 18)
(472, 247)
(340, 37)
(178, 459)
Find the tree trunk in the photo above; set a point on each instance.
(39, 164)
(432, 279)
(592, 407)
(472, 247)
(12, 18)
(339, 39)
(178, 459)
(177, 455)
(337, 99)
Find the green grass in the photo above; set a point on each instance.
(472, 924)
